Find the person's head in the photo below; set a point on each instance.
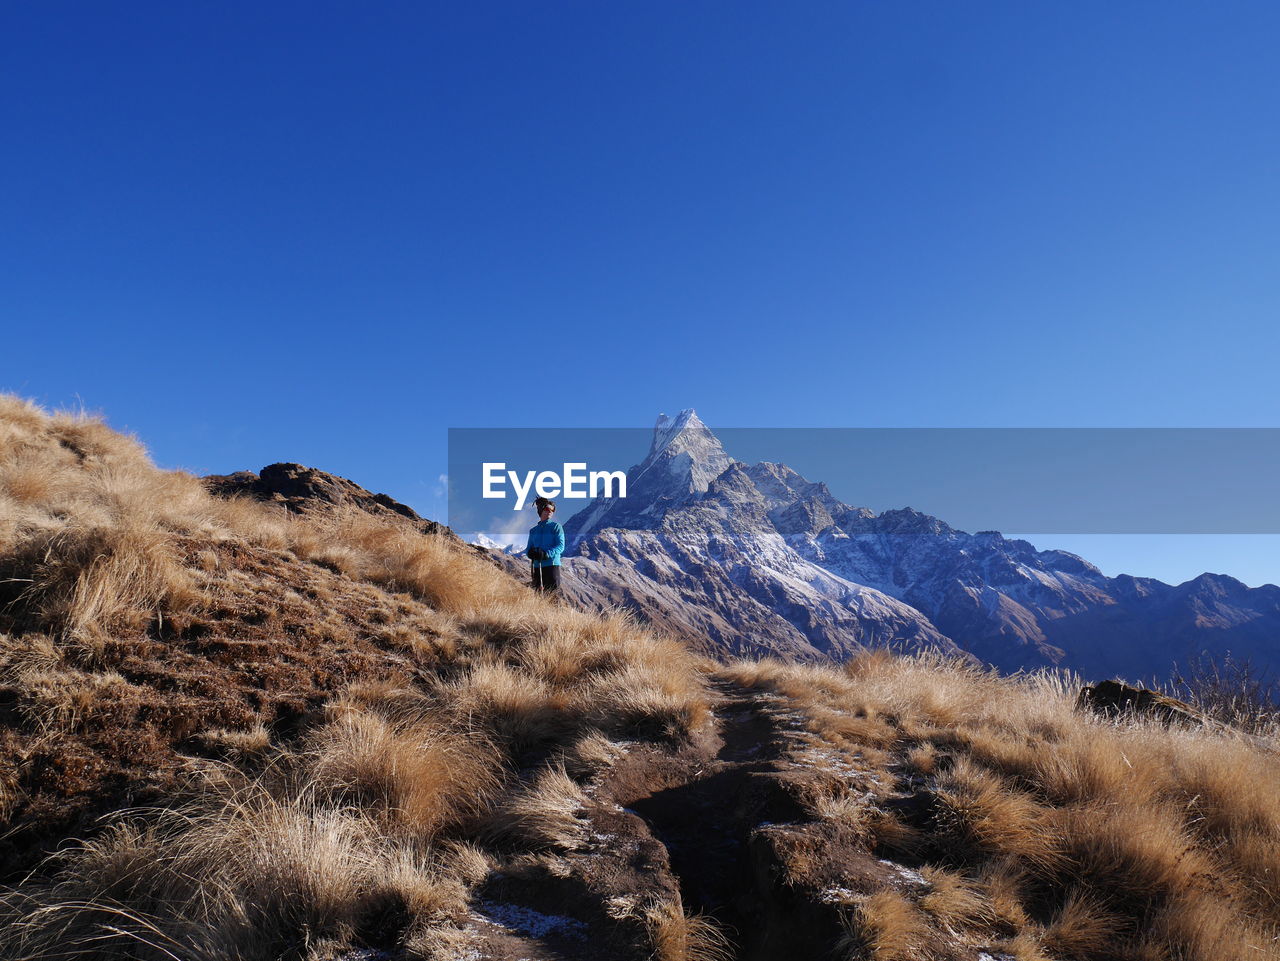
(545, 507)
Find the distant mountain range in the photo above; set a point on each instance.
(755, 559)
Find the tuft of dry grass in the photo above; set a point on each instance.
(835, 800)
(590, 755)
(955, 900)
(544, 815)
(91, 581)
(238, 746)
(982, 815)
(1233, 692)
(415, 780)
(249, 880)
(426, 566)
(519, 712)
(677, 936)
(527, 702)
(1082, 928)
(885, 926)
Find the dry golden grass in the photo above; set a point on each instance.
(88, 525)
(522, 714)
(242, 747)
(590, 755)
(242, 881)
(416, 781)
(91, 582)
(836, 800)
(886, 926)
(955, 900)
(677, 936)
(1232, 692)
(1058, 834)
(1004, 881)
(544, 815)
(980, 814)
(429, 567)
(547, 674)
(1082, 928)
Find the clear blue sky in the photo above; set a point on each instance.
(326, 232)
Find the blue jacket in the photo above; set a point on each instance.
(550, 537)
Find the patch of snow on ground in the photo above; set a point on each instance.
(836, 895)
(914, 877)
(829, 761)
(533, 923)
(458, 954)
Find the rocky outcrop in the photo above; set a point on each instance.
(300, 488)
(1114, 698)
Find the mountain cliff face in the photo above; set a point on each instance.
(684, 458)
(756, 559)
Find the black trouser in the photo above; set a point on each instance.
(546, 578)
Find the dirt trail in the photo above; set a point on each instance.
(709, 814)
(719, 825)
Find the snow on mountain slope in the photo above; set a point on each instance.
(684, 458)
(757, 559)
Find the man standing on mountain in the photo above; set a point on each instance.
(546, 544)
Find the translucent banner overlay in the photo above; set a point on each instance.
(1024, 480)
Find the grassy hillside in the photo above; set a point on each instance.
(233, 732)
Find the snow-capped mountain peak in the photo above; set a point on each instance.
(684, 458)
(685, 447)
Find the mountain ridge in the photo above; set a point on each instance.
(835, 578)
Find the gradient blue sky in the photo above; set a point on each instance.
(326, 232)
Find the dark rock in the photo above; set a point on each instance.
(300, 489)
(1115, 697)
